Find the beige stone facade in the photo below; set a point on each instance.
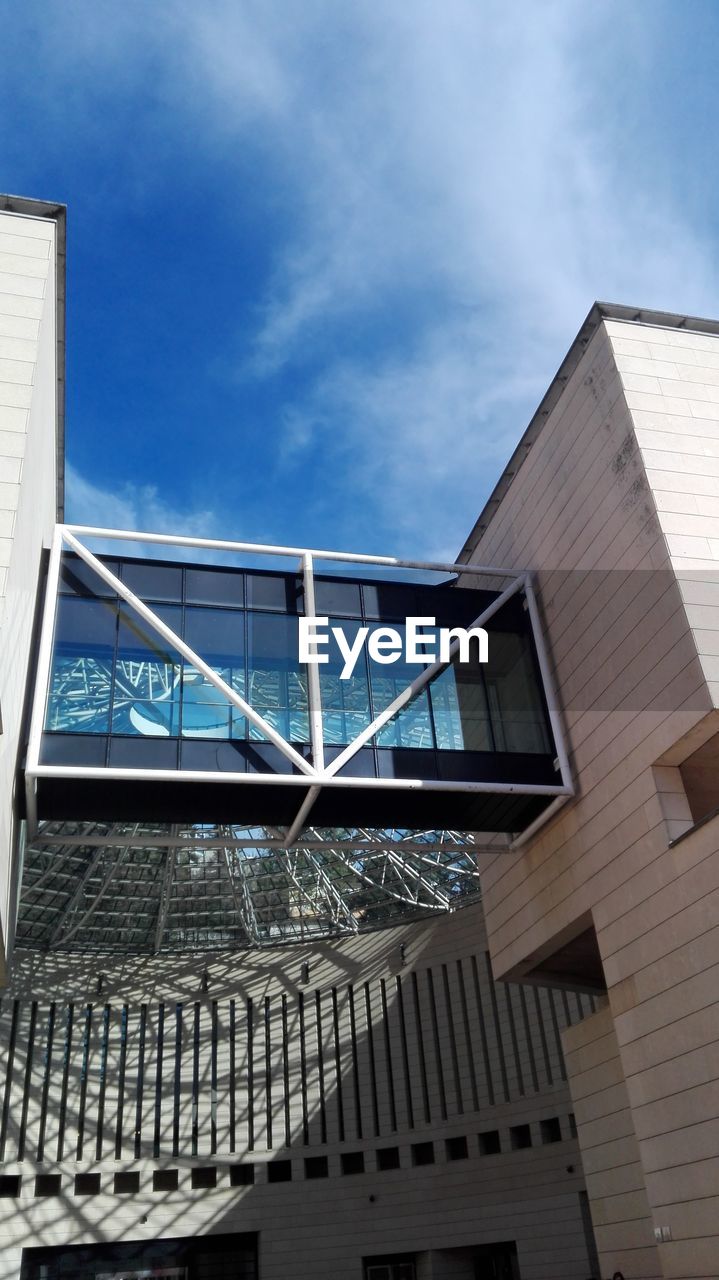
(32, 284)
(614, 501)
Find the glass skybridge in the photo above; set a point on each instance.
(172, 708)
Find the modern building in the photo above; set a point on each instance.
(254, 1023)
(613, 496)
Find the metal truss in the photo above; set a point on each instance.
(132, 889)
(151, 888)
(312, 776)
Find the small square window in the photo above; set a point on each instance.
(456, 1148)
(489, 1144)
(316, 1167)
(242, 1175)
(422, 1153)
(164, 1180)
(48, 1184)
(279, 1171)
(550, 1130)
(126, 1184)
(87, 1184)
(352, 1162)
(10, 1184)
(204, 1178)
(520, 1136)
(388, 1158)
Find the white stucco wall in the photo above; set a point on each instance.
(671, 382)
(28, 485)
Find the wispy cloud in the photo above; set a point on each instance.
(466, 185)
(458, 183)
(137, 509)
(143, 509)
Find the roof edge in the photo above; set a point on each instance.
(598, 312)
(57, 213)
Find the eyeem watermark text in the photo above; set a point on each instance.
(423, 643)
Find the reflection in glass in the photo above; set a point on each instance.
(459, 706)
(345, 703)
(81, 675)
(112, 672)
(217, 636)
(515, 702)
(153, 581)
(412, 726)
(277, 684)
(79, 699)
(445, 711)
(147, 677)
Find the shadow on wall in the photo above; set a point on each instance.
(189, 1094)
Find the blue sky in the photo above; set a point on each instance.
(324, 258)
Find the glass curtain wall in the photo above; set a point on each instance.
(112, 673)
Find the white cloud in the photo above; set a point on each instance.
(142, 509)
(479, 172)
(474, 152)
(134, 508)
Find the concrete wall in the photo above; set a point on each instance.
(634, 651)
(671, 381)
(28, 487)
(610, 1153)
(445, 1053)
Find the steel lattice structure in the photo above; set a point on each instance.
(139, 888)
(127, 888)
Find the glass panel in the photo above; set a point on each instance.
(445, 712)
(337, 597)
(153, 581)
(455, 606)
(515, 702)
(459, 707)
(81, 676)
(412, 726)
(391, 600)
(281, 592)
(473, 710)
(228, 757)
(147, 677)
(215, 586)
(205, 710)
(73, 748)
(152, 718)
(345, 703)
(152, 752)
(217, 636)
(277, 684)
(78, 579)
(86, 626)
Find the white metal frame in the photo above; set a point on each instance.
(312, 777)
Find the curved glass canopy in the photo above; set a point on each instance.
(132, 889)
